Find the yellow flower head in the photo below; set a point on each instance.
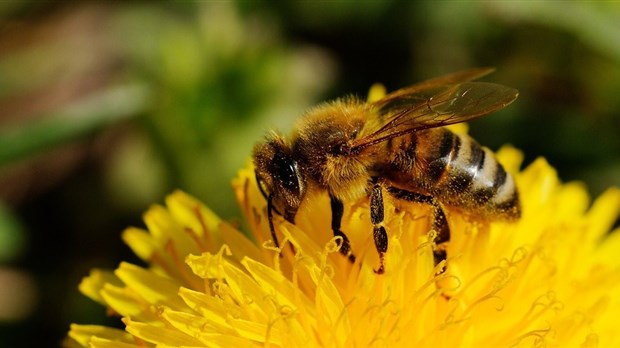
(552, 278)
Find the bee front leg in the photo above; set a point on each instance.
(440, 223)
(337, 212)
(272, 229)
(376, 217)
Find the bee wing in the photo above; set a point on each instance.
(434, 103)
(424, 90)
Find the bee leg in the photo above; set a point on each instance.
(376, 217)
(337, 212)
(272, 229)
(440, 223)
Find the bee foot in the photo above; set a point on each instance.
(351, 258)
(381, 268)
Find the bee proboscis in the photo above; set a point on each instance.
(397, 145)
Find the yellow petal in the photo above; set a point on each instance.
(84, 334)
(91, 286)
(126, 303)
(195, 217)
(376, 92)
(604, 212)
(152, 288)
(141, 243)
(160, 335)
(97, 342)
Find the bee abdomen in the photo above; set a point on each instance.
(466, 175)
(454, 169)
(481, 182)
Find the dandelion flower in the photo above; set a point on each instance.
(552, 278)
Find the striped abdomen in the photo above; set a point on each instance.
(455, 170)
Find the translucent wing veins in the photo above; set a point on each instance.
(435, 103)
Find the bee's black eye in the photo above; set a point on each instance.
(285, 169)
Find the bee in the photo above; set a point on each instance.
(397, 145)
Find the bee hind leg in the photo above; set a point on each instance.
(377, 217)
(440, 223)
(337, 212)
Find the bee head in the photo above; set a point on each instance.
(279, 176)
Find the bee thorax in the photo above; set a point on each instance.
(345, 177)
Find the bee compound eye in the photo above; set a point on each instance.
(285, 169)
(342, 149)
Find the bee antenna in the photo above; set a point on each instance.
(268, 197)
(259, 183)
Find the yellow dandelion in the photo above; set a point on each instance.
(552, 278)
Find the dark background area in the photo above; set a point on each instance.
(105, 107)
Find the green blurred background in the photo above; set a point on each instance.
(105, 107)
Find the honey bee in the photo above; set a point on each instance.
(397, 145)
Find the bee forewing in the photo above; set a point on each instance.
(434, 103)
(427, 88)
(468, 100)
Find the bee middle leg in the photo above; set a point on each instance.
(440, 223)
(376, 218)
(337, 212)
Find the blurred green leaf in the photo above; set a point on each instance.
(76, 120)
(12, 238)
(219, 78)
(593, 22)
